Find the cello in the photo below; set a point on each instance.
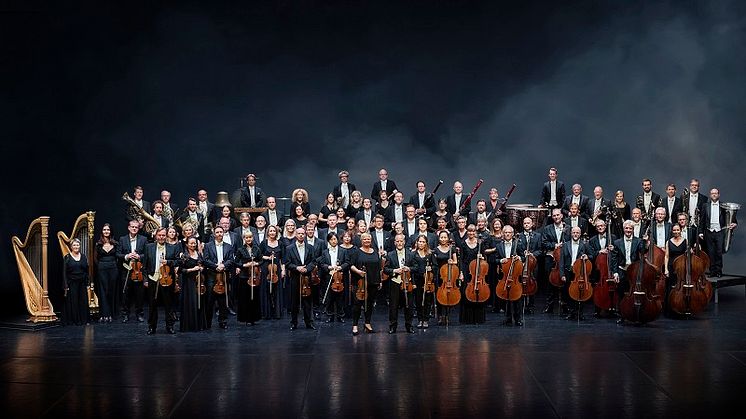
(605, 296)
(509, 287)
(448, 293)
(687, 297)
(639, 304)
(477, 290)
(580, 287)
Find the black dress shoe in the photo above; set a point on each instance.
(330, 320)
(355, 332)
(620, 321)
(341, 320)
(223, 325)
(125, 319)
(151, 331)
(293, 326)
(392, 330)
(519, 323)
(368, 330)
(170, 331)
(507, 323)
(310, 326)
(231, 312)
(140, 318)
(409, 329)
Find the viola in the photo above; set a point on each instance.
(384, 275)
(580, 286)
(477, 290)
(315, 279)
(509, 287)
(337, 281)
(219, 287)
(166, 278)
(362, 286)
(429, 278)
(305, 286)
(136, 270)
(639, 304)
(448, 293)
(272, 270)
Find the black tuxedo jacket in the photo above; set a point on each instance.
(619, 255)
(125, 248)
(293, 261)
(429, 204)
(324, 261)
(280, 218)
(246, 197)
(546, 193)
(582, 223)
(655, 202)
(390, 216)
(200, 227)
(701, 200)
(549, 237)
(150, 257)
(566, 256)
(672, 212)
(210, 256)
(318, 247)
(516, 249)
(595, 245)
(386, 240)
(584, 211)
(393, 262)
(337, 192)
(451, 204)
(535, 244)
(654, 232)
(390, 188)
(705, 212)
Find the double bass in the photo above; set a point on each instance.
(688, 297)
(639, 304)
(605, 295)
(509, 287)
(448, 293)
(657, 257)
(477, 290)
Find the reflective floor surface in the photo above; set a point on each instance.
(549, 368)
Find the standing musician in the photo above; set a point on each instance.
(531, 241)
(471, 312)
(317, 246)
(553, 192)
(620, 211)
(489, 250)
(638, 224)
(598, 205)
(271, 216)
(132, 248)
(660, 231)
(398, 261)
(672, 203)
(480, 212)
(194, 217)
(137, 194)
(598, 244)
(578, 198)
(272, 251)
(330, 207)
(424, 261)
(299, 262)
(252, 195)
(343, 191)
(365, 263)
(409, 223)
(333, 227)
(156, 255)
(554, 236)
(300, 199)
(218, 257)
(332, 259)
(689, 232)
(626, 251)
(107, 273)
(247, 257)
(207, 209)
(261, 229)
(395, 212)
(505, 251)
(571, 251)
(441, 212)
(383, 184)
(713, 226)
(422, 231)
(649, 200)
(159, 215)
(423, 202)
(169, 210)
(355, 206)
(444, 252)
(232, 238)
(493, 204)
(692, 201)
(245, 226)
(455, 200)
(575, 219)
(367, 212)
(192, 318)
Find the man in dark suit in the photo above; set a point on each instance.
(577, 197)
(159, 216)
(132, 248)
(380, 238)
(648, 201)
(554, 236)
(170, 210)
(600, 243)
(573, 250)
(481, 211)
(271, 215)
(252, 195)
(366, 213)
(507, 249)
(424, 203)
(137, 194)
(156, 255)
(672, 203)
(596, 206)
(692, 201)
(383, 184)
(713, 224)
(395, 269)
(409, 222)
(553, 192)
(218, 257)
(299, 261)
(343, 191)
(688, 231)
(627, 250)
(194, 217)
(245, 226)
(333, 227)
(395, 212)
(660, 231)
(455, 201)
(574, 219)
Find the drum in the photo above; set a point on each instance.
(517, 212)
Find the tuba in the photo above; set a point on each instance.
(730, 214)
(134, 211)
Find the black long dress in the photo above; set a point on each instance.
(441, 258)
(248, 299)
(371, 263)
(270, 296)
(75, 281)
(349, 292)
(471, 313)
(423, 300)
(192, 317)
(674, 251)
(107, 274)
(617, 219)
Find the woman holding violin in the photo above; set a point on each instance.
(346, 244)
(192, 318)
(333, 264)
(248, 268)
(447, 276)
(473, 276)
(272, 274)
(424, 280)
(365, 264)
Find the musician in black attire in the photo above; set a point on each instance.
(627, 250)
(649, 200)
(332, 259)
(672, 203)
(75, 282)
(508, 249)
(554, 236)
(343, 191)
(248, 258)
(107, 272)
(156, 255)
(577, 197)
(399, 261)
(218, 257)
(692, 202)
(365, 264)
(553, 192)
(574, 219)
(383, 184)
(713, 224)
(251, 195)
(299, 263)
(424, 203)
(132, 248)
(137, 197)
(457, 203)
(532, 241)
(573, 250)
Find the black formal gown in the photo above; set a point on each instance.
(371, 263)
(471, 313)
(107, 274)
(271, 301)
(249, 310)
(192, 318)
(674, 251)
(75, 280)
(617, 219)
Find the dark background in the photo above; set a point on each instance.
(183, 96)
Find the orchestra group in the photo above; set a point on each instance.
(432, 258)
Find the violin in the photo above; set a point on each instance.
(509, 288)
(688, 296)
(337, 281)
(305, 286)
(448, 293)
(406, 280)
(362, 287)
(580, 286)
(429, 278)
(605, 296)
(219, 287)
(165, 279)
(639, 304)
(135, 267)
(272, 270)
(477, 290)
(315, 279)
(530, 286)
(384, 275)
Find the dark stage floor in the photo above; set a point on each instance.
(549, 368)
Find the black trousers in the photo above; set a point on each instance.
(334, 303)
(397, 299)
(134, 294)
(212, 299)
(165, 295)
(715, 241)
(357, 306)
(107, 288)
(295, 302)
(423, 302)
